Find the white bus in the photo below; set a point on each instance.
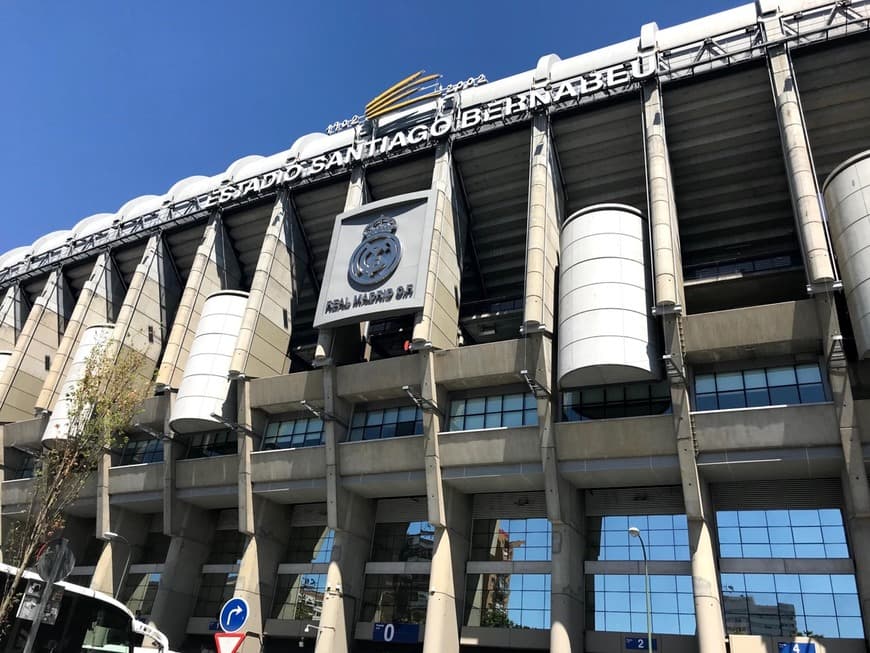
(76, 619)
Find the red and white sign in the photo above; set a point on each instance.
(228, 642)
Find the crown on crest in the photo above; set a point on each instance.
(382, 225)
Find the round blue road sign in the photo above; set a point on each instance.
(233, 615)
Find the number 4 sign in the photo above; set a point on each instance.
(796, 647)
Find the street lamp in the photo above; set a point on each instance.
(115, 537)
(635, 532)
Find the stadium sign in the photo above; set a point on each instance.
(512, 106)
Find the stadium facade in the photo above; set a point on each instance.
(418, 376)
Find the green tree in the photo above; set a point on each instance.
(114, 384)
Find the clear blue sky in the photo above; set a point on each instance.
(106, 100)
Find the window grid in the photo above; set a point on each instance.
(617, 603)
(508, 601)
(310, 544)
(614, 401)
(386, 423)
(214, 591)
(767, 386)
(493, 411)
(226, 548)
(792, 604)
(137, 452)
(782, 534)
(299, 597)
(293, 433)
(396, 598)
(215, 443)
(403, 542)
(140, 591)
(666, 537)
(511, 539)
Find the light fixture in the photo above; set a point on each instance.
(426, 405)
(111, 536)
(634, 531)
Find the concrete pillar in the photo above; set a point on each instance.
(115, 554)
(188, 551)
(214, 268)
(26, 370)
(258, 569)
(567, 579)
(667, 266)
(856, 488)
(13, 313)
(91, 308)
(345, 576)
(264, 338)
(437, 324)
(542, 240)
(449, 511)
(705, 577)
(798, 156)
(343, 344)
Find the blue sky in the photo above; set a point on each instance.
(106, 100)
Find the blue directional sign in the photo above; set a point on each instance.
(233, 615)
(640, 644)
(796, 647)
(399, 633)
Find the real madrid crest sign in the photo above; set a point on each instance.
(377, 256)
(378, 260)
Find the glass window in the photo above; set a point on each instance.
(226, 548)
(139, 593)
(386, 423)
(155, 549)
(614, 401)
(666, 537)
(299, 597)
(785, 605)
(769, 386)
(310, 544)
(403, 541)
(617, 602)
(293, 433)
(805, 533)
(136, 452)
(511, 539)
(494, 411)
(215, 443)
(508, 601)
(396, 598)
(214, 591)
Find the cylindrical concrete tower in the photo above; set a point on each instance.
(57, 428)
(605, 328)
(847, 199)
(204, 387)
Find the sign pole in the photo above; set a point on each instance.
(47, 589)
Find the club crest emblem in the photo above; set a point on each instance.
(376, 258)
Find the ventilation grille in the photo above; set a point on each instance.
(309, 514)
(635, 501)
(509, 505)
(399, 510)
(758, 495)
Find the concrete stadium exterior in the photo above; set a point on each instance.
(624, 289)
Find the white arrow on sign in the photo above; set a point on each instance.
(228, 642)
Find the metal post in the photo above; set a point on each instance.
(114, 537)
(635, 532)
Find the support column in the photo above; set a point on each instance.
(542, 241)
(182, 571)
(855, 483)
(343, 344)
(449, 511)
(113, 559)
(27, 367)
(264, 338)
(352, 518)
(798, 157)
(667, 266)
(705, 576)
(259, 566)
(214, 268)
(436, 325)
(13, 313)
